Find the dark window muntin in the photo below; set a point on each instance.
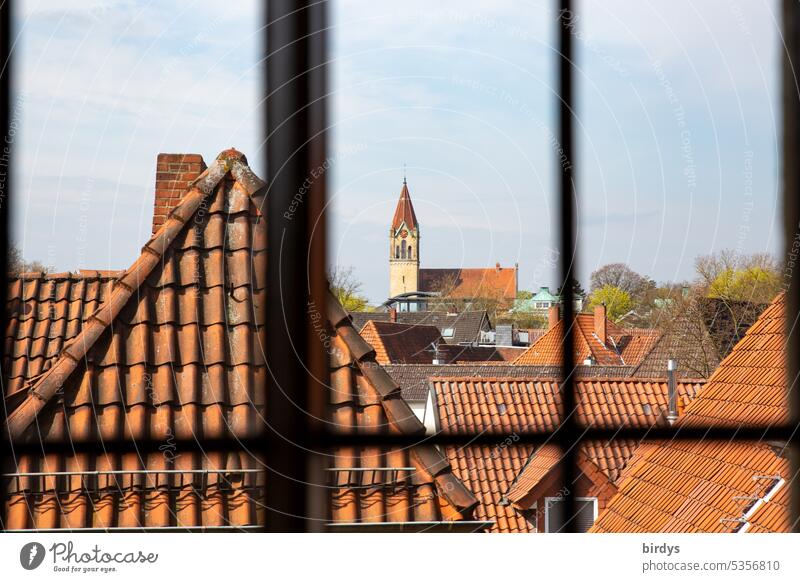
(296, 54)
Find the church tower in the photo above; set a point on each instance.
(404, 247)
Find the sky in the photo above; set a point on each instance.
(676, 122)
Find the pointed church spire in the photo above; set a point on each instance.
(405, 210)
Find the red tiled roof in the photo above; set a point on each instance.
(404, 213)
(464, 327)
(607, 459)
(624, 347)
(507, 405)
(401, 343)
(700, 487)
(546, 460)
(489, 472)
(172, 349)
(493, 283)
(45, 312)
(365, 399)
(703, 486)
(750, 386)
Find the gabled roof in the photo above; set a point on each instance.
(413, 378)
(401, 343)
(623, 347)
(488, 472)
(465, 325)
(714, 486)
(701, 335)
(542, 469)
(498, 283)
(172, 349)
(365, 399)
(750, 386)
(705, 487)
(505, 406)
(404, 213)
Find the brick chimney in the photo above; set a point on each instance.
(393, 315)
(174, 173)
(553, 315)
(600, 323)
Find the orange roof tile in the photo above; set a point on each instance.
(506, 406)
(172, 349)
(693, 486)
(750, 387)
(624, 347)
(488, 472)
(547, 459)
(705, 486)
(495, 283)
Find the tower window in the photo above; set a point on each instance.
(396, 252)
(403, 249)
(410, 252)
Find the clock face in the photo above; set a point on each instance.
(404, 233)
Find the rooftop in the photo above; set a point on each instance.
(713, 486)
(171, 349)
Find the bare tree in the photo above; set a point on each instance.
(17, 264)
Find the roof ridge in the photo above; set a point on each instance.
(227, 162)
(79, 275)
(723, 367)
(430, 459)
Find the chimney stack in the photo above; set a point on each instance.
(436, 361)
(497, 267)
(600, 327)
(553, 315)
(174, 173)
(393, 315)
(672, 392)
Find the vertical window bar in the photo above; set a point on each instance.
(5, 221)
(295, 156)
(567, 193)
(791, 213)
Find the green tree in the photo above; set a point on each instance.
(523, 295)
(346, 288)
(577, 289)
(751, 284)
(617, 301)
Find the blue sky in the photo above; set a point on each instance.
(676, 121)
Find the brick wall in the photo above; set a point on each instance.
(174, 173)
